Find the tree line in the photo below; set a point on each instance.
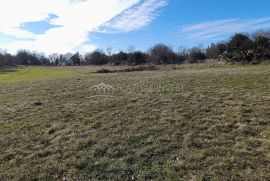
(253, 48)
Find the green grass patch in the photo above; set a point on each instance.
(28, 74)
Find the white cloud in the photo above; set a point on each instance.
(218, 29)
(134, 18)
(75, 18)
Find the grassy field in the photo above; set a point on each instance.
(29, 74)
(177, 123)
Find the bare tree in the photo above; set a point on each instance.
(54, 58)
(260, 33)
(196, 55)
(162, 54)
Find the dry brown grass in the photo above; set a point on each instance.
(216, 126)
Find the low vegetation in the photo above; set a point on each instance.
(132, 69)
(180, 122)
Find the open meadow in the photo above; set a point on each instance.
(184, 122)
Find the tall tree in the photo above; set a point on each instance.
(76, 59)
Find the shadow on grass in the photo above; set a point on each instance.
(7, 69)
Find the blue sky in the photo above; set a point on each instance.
(83, 25)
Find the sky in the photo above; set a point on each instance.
(61, 26)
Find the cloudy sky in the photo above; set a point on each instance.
(60, 26)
